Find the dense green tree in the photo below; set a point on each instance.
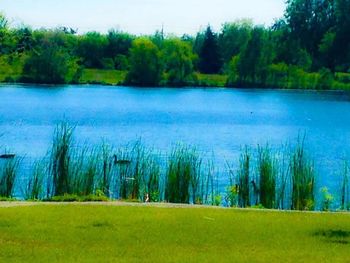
(50, 63)
(178, 60)
(158, 38)
(308, 21)
(6, 39)
(91, 48)
(25, 40)
(308, 47)
(145, 63)
(234, 38)
(256, 57)
(209, 56)
(119, 43)
(341, 47)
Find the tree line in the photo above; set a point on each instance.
(309, 47)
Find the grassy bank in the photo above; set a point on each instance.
(117, 77)
(285, 80)
(100, 76)
(99, 233)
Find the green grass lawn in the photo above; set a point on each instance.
(211, 80)
(103, 76)
(103, 233)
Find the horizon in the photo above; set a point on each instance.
(139, 17)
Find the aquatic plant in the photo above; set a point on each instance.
(60, 157)
(267, 174)
(345, 202)
(34, 186)
(303, 179)
(326, 199)
(122, 161)
(283, 177)
(107, 169)
(243, 178)
(83, 171)
(183, 175)
(206, 185)
(8, 174)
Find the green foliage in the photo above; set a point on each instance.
(121, 62)
(76, 198)
(326, 199)
(233, 74)
(7, 199)
(209, 53)
(291, 77)
(102, 76)
(91, 48)
(119, 44)
(145, 63)
(178, 60)
(209, 80)
(11, 67)
(253, 61)
(302, 50)
(326, 79)
(234, 38)
(232, 195)
(50, 64)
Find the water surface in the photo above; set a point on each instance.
(218, 121)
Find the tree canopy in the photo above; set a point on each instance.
(307, 47)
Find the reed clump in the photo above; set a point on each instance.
(244, 177)
(34, 187)
(267, 174)
(183, 175)
(8, 174)
(264, 177)
(302, 179)
(345, 193)
(60, 158)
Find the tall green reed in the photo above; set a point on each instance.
(107, 160)
(8, 173)
(35, 184)
(243, 178)
(345, 194)
(183, 175)
(303, 179)
(267, 174)
(83, 171)
(60, 158)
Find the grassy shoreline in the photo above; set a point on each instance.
(117, 78)
(96, 233)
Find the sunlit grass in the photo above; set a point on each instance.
(210, 80)
(99, 233)
(102, 76)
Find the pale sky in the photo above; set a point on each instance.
(139, 16)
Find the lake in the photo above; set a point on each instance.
(218, 121)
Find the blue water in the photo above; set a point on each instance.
(217, 121)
